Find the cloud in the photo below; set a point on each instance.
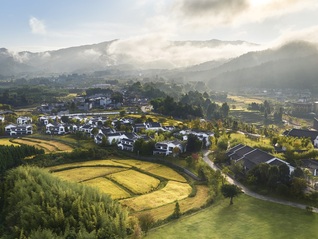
(37, 26)
(157, 51)
(222, 10)
(309, 34)
(216, 13)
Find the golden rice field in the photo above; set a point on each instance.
(137, 182)
(146, 166)
(108, 187)
(86, 173)
(49, 146)
(92, 163)
(124, 179)
(189, 203)
(167, 173)
(171, 192)
(6, 142)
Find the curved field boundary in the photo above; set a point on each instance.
(7, 142)
(81, 174)
(188, 204)
(92, 163)
(108, 187)
(138, 183)
(58, 145)
(45, 147)
(171, 192)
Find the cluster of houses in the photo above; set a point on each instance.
(94, 128)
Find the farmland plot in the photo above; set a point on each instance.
(137, 182)
(171, 192)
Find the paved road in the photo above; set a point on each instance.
(251, 193)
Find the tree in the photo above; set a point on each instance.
(146, 220)
(176, 213)
(230, 191)
(193, 144)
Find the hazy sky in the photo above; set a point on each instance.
(38, 25)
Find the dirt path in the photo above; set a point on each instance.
(251, 193)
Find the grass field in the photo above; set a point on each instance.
(6, 141)
(137, 182)
(86, 173)
(108, 187)
(245, 140)
(171, 192)
(246, 218)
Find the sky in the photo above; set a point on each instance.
(40, 25)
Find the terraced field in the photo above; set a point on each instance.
(140, 186)
(49, 146)
(7, 142)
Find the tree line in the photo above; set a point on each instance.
(11, 156)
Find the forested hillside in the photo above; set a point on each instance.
(35, 204)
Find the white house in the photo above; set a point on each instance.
(200, 135)
(316, 142)
(13, 130)
(23, 120)
(127, 143)
(55, 129)
(166, 147)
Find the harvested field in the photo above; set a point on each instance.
(171, 192)
(137, 182)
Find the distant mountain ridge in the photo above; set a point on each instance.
(101, 56)
(294, 64)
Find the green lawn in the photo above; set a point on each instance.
(247, 218)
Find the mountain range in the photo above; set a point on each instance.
(221, 64)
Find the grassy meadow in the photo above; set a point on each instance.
(246, 218)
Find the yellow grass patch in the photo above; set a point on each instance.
(85, 173)
(137, 182)
(93, 163)
(171, 192)
(167, 173)
(108, 187)
(189, 203)
(7, 142)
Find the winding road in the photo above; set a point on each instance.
(251, 193)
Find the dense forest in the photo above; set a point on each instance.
(38, 205)
(11, 156)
